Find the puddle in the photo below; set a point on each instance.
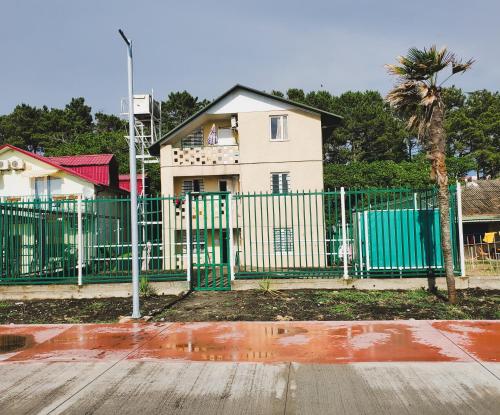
(12, 342)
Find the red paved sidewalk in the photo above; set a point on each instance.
(271, 342)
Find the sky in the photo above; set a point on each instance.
(53, 50)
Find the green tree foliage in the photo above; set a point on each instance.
(370, 130)
(384, 173)
(473, 128)
(178, 107)
(413, 174)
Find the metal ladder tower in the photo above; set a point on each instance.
(147, 116)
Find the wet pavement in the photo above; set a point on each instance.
(252, 367)
(266, 342)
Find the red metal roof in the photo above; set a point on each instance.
(83, 160)
(96, 166)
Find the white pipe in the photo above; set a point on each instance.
(230, 230)
(344, 232)
(80, 241)
(189, 212)
(460, 230)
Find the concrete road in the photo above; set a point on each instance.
(252, 368)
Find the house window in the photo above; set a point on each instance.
(195, 185)
(280, 182)
(54, 185)
(283, 240)
(278, 127)
(47, 186)
(40, 186)
(222, 185)
(225, 137)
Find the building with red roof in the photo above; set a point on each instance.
(26, 174)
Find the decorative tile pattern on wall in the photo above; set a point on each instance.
(201, 156)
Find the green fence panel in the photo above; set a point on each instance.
(389, 233)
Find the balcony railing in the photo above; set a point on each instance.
(206, 156)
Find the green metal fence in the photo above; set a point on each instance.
(70, 241)
(357, 233)
(352, 233)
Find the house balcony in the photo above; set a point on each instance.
(206, 156)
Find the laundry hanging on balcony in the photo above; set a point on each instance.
(212, 136)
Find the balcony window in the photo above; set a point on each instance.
(225, 137)
(278, 127)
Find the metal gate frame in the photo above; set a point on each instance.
(209, 219)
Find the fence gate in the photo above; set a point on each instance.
(208, 237)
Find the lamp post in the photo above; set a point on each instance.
(133, 183)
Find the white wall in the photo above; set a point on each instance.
(246, 101)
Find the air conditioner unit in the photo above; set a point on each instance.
(17, 164)
(4, 165)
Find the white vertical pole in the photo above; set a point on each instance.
(79, 240)
(367, 242)
(460, 230)
(344, 232)
(230, 230)
(189, 212)
(133, 182)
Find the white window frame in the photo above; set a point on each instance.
(283, 122)
(280, 182)
(283, 240)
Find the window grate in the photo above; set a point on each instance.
(195, 139)
(283, 240)
(195, 185)
(280, 182)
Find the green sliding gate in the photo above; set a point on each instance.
(208, 240)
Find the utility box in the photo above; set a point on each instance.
(399, 239)
(144, 105)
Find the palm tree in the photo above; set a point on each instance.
(418, 95)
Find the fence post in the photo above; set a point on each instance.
(344, 232)
(230, 230)
(189, 212)
(79, 240)
(460, 230)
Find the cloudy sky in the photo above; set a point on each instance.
(53, 50)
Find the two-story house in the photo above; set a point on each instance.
(262, 143)
(243, 142)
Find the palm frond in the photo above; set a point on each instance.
(458, 66)
(416, 93)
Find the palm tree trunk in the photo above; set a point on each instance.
(437, 156)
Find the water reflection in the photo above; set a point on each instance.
(321, 342)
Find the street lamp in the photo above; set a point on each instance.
(133, 183)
